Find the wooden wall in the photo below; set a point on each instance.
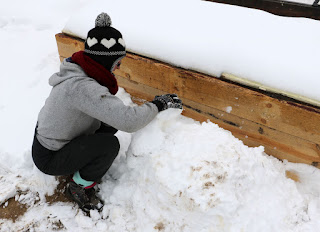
(287, 129)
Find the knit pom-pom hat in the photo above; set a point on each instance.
(105, 44)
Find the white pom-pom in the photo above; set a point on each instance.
(103, 20)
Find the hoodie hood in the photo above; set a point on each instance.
(67, 70)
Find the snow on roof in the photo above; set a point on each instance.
(308, 2)
(254, 47)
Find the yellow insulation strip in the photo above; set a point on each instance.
(260, 86)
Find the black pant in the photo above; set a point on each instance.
(91, 155)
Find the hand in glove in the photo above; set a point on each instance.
(166, 101)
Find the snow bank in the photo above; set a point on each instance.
(279, 53)
(185, 176)
(177, 174)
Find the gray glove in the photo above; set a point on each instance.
(166, 101)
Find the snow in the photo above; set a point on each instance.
(278, 53)
(308, 2)
(176, 174)
(218, 185)
(228, 109)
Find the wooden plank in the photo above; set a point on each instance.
(291, 118)
(68, 45)
(278, 144)
(282, 8)
(61, 58)
(288, 130)
(271, 91)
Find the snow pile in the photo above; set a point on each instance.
(177, 174)
(187, 176)
(23, 177)
(279, 53)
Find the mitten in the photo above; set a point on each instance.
(166, 101)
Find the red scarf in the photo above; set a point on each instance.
(96, 71)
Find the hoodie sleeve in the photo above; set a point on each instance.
(95, 100)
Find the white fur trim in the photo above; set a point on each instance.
(108, 43)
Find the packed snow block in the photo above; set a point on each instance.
(286, 128)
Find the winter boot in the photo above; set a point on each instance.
(85, 198)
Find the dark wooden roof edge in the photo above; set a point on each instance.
(281, 8)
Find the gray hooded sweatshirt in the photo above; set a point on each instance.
(78, 104)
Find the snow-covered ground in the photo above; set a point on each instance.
(176, 174)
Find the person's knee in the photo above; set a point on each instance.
(112, 144)
(105, 145)
(116, 143)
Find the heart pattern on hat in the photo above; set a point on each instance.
(121, 41)
(92, 41)
(108, 43)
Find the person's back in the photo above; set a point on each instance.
(59, 121)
